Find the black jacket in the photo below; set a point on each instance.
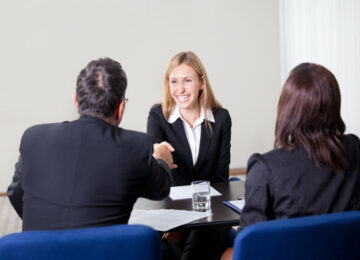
(83, 173)
(286, 183)
(214, 155)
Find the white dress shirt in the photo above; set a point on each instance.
(193, 135)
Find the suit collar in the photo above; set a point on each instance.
(92, 119)
(175, 114)
(179, 131)
(204, 145)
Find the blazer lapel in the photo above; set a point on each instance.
(180, 134)
(204, 145)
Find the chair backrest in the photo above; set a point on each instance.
(329, 236)
(110, 242)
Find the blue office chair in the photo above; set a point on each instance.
(110, 242)
(234, 178)
(329, 236)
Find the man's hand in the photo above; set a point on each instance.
(163, 151)
(172, 237)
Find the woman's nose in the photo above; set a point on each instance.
(181, 88)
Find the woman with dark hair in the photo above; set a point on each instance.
(315, 167)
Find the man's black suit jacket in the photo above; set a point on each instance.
(214, 155)
(84, 173)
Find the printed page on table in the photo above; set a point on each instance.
(185, 192)
(165, 219)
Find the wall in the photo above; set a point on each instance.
(326, 32)
(44, 44)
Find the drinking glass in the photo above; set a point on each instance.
(200, 195)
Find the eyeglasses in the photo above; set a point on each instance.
(126, 100)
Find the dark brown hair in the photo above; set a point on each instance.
(100, 87)
(309, 115)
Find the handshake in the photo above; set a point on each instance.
(163, 151)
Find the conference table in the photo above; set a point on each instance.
(222, 215)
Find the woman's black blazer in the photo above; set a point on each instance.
(214, 155)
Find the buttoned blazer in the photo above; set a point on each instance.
(214, 154)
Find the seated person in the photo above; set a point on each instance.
(199, 129)
(315, 167)
(88, 172)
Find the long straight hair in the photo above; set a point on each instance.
(206, 96)
(309, 115)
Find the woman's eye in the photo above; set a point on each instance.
(188, 80)
(173, 81)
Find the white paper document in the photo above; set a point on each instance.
(165, 219)
(237, 205)
(184, 192)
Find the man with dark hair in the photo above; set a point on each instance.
(88, 172)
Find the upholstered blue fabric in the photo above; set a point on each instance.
(330, 236)
(111, 242)
(233, 178)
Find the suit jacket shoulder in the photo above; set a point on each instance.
(221, 113)
(156, 111)
(286, 183)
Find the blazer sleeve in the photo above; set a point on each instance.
(222, 168)
(15, 191)
(159, 179)
(258, 199)
(154, 128)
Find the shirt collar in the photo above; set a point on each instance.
(175, 114)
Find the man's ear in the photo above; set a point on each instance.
(75, 101)
(120, 110)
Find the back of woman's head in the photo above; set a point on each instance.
(309, 115)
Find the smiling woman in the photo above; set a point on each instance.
(193, 122)
(187, 86)
(196, 125)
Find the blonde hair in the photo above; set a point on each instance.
(206, 96)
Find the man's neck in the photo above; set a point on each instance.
(112, 121)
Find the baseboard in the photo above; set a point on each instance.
(237, 171)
